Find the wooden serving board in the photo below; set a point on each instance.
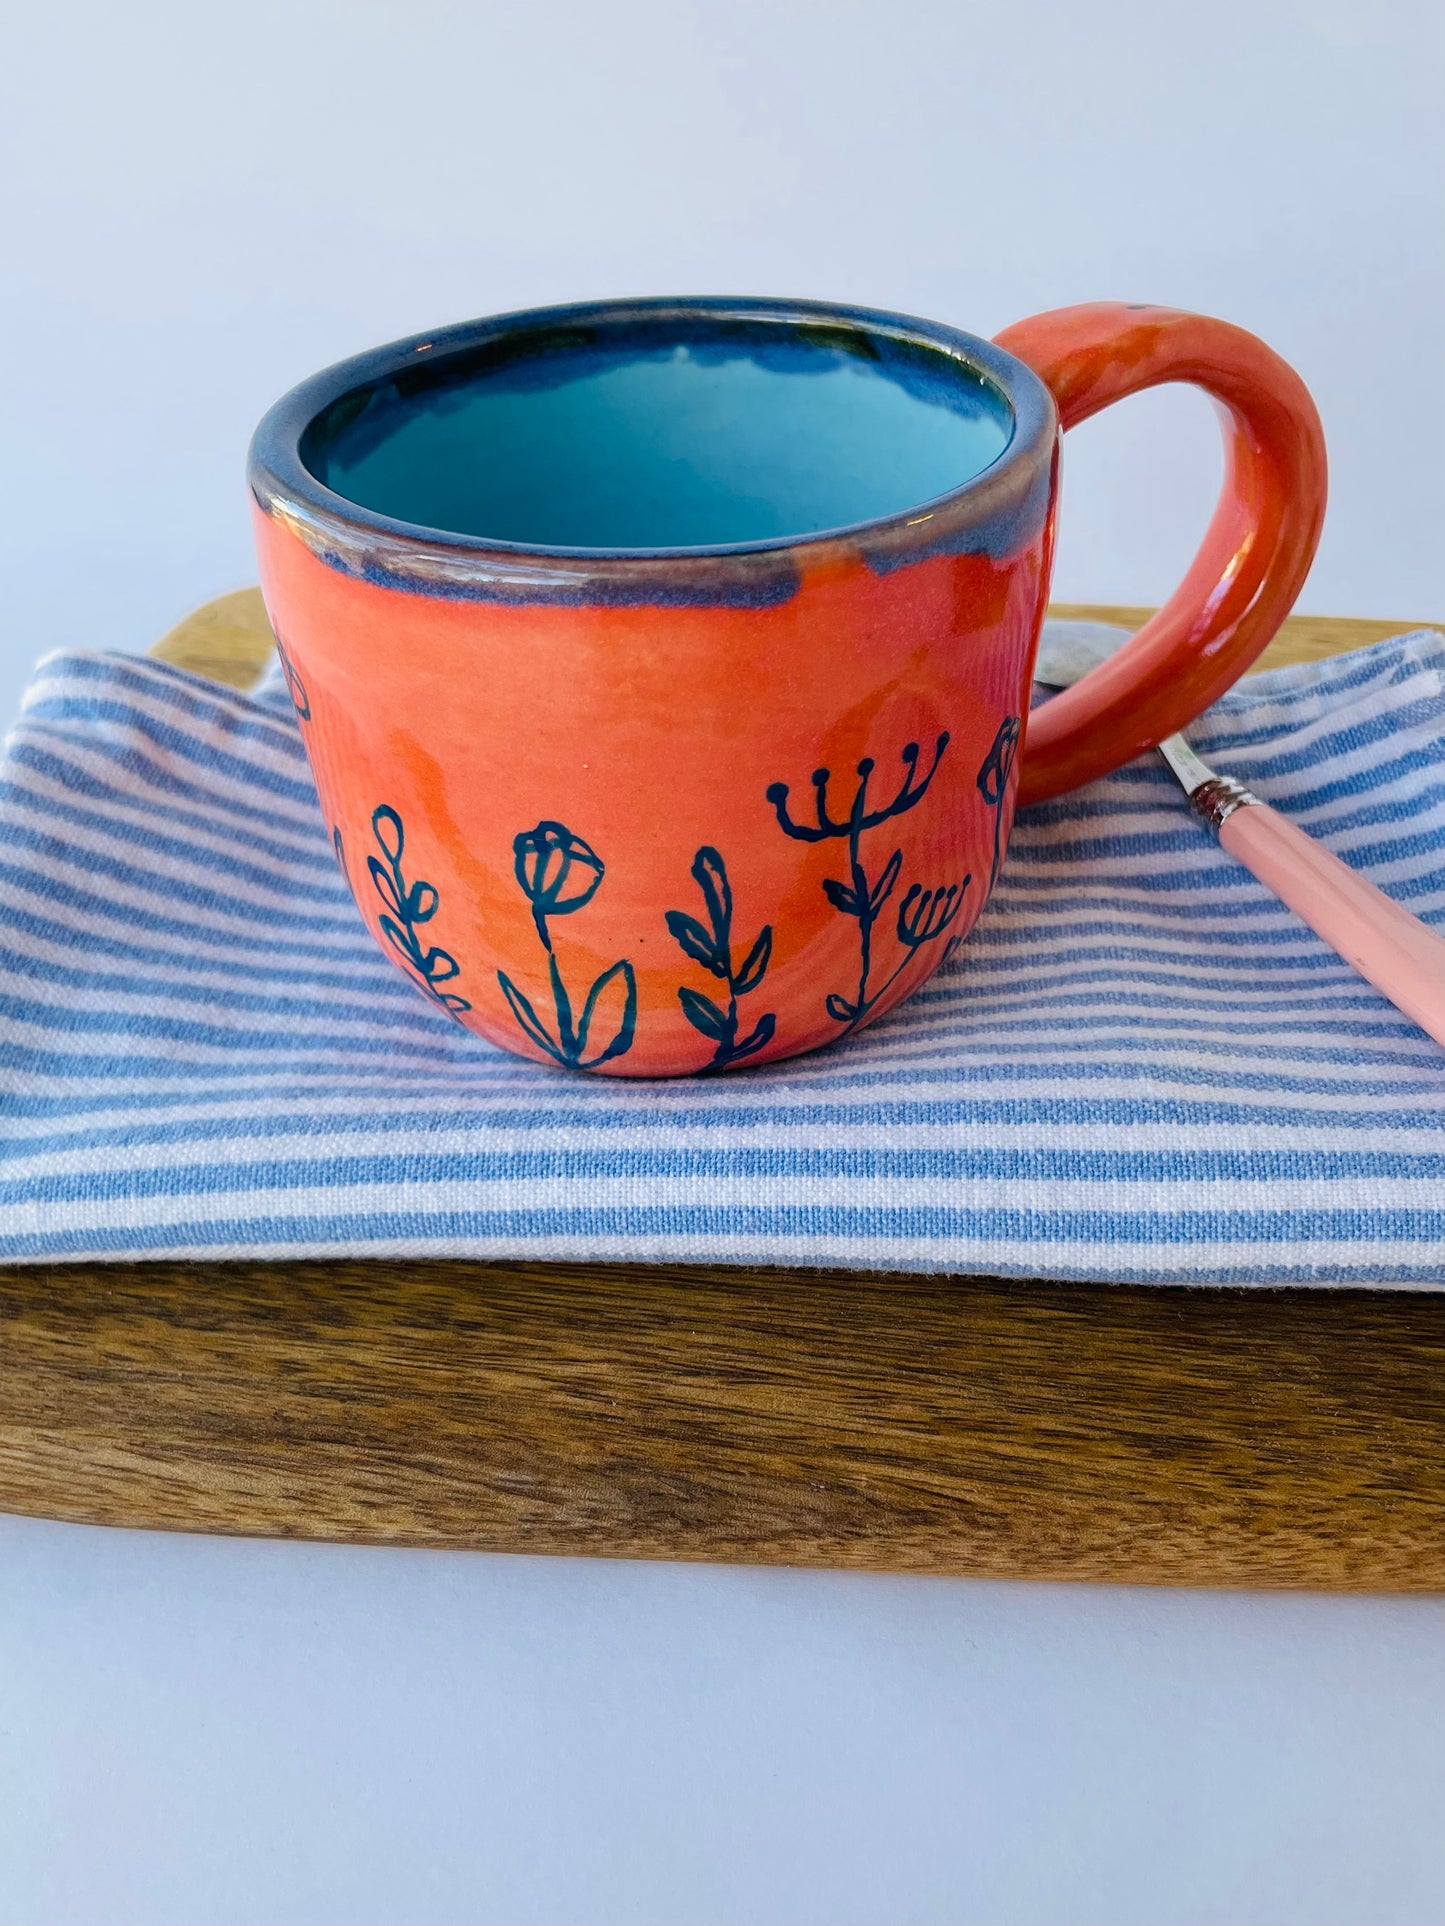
(1164, 1435)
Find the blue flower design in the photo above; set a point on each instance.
(559, 874)
(300, 701)
(711, 946)
(408, 907)
(993, 775)
(546, 860)
(922, 916)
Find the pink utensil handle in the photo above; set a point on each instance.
(1387, 945)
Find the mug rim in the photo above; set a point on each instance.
(993, 511)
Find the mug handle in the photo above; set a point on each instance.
(1255, 554)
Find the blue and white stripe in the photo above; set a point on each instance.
(1139, 1067)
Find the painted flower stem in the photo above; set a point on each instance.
(295, 687)
(711, 946)
(923, 915)
(408, 907)
(993, 775)
(559, 874)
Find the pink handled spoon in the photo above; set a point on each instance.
(1373, 933)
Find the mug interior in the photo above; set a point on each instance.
(639, 433)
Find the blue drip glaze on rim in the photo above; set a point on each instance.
(995, 512)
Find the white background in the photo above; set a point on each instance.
(204, 204)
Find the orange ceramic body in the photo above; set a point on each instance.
(660, 812)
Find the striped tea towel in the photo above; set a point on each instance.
(1139, 1067)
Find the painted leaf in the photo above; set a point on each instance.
(421, 903)
(400, 939)
(703, 1014)
(840, 1009)
(883, 888)
(840, 896)
(627, 1021)
(712, 879)
(755, 967)
(387, 829)
(695, 942)
(297, 688)
(757, 1037)
(527, 1017)
(385, 885)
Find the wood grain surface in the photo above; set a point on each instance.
(1172, 1436)
(922, 1424)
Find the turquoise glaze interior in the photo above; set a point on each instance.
(650, 434)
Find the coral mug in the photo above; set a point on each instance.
(664, 665)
